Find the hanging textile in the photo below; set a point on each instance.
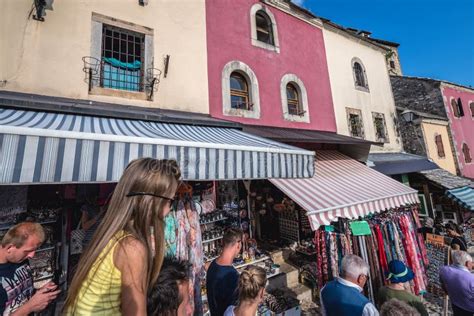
(170, 235)
(393, 236)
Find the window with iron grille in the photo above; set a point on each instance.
(467, 153)
(293, 98)
(239, 92)
(380, 127)
(354, 119)
(122, 59)
(392, 64)
(264, 28)
(439, 146)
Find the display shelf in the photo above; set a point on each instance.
(274, 275)
(211, 259)
(240, 266)
(215, 221)
(211, 240)
(46, 248)
(6, 226)
(49, 221)
(44, 277)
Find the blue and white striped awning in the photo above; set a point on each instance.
(463, 196)
(43, 147)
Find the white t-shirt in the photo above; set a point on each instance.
(229, 311)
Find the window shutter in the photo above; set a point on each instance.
(454, 106)
(460, 108)
(467, 153)
(439, 146)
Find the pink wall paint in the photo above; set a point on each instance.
(302, 53)
(462, 128)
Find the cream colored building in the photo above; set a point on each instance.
(361, 90)
(46, 58)
(438, 144)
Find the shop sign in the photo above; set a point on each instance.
(435, 239)
(360, 228)
(328, 228)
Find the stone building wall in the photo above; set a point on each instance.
(422, 95)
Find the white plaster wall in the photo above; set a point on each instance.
(340, 49)
(45, 57)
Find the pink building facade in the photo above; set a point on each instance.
(294, 57)
(462, 126)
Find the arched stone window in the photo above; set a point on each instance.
(360, 75)
(240, 96)
(264, 32)
(294, 99)
(239, 92)
(264, 27)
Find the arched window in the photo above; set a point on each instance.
(264, 28)
(293, 99)
(359, 75)
(439, 146)
(467, 153)
(239, 92)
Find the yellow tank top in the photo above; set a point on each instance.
(100, 291)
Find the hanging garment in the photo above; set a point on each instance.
(183, 228)
(381, 249)
(170, 235)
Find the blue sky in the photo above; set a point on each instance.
(436, 36)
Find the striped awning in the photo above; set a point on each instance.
(43, 147)
(344, 187)
(463, 196)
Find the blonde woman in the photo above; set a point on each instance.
(251, 289)
(115, 271)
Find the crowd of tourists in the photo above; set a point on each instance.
(123, 269)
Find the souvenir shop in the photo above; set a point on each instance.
(351, 208)
(194, 231)
(378, 239)
(60, 171)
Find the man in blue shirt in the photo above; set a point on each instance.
(458, 281)
(343, 296)
(222, 278)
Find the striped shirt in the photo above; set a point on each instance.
(100, 292)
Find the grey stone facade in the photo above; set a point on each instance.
(412, 136)
(419, 95)
(422, 95)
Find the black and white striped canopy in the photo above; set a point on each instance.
(43, 147)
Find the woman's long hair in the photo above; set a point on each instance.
(136, 215)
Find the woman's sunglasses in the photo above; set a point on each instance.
(150, 194)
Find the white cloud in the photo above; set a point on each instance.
(298, 2)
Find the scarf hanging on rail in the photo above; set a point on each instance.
(393, 236)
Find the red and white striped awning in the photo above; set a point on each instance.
(344, 187)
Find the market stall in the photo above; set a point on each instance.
(69, 150)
